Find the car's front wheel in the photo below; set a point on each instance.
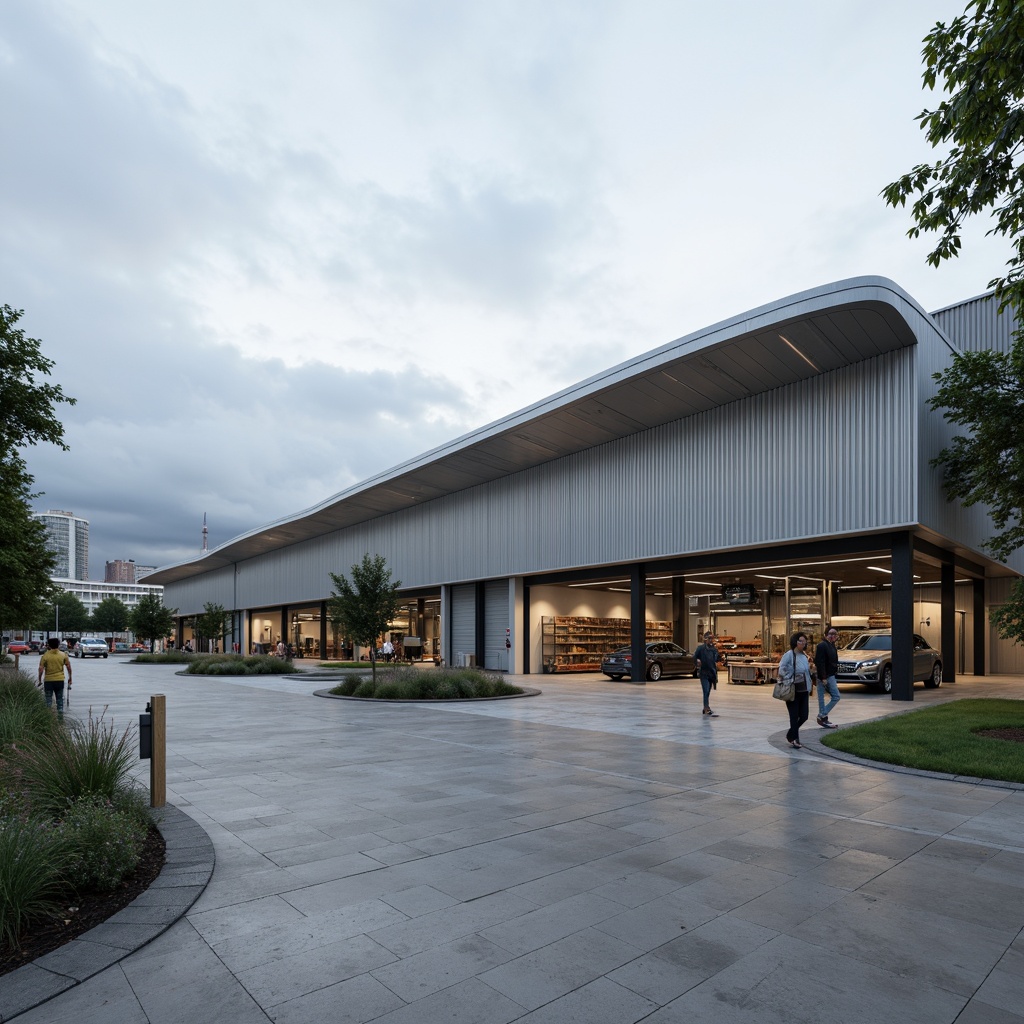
(104, 655)
(654, 672)
(885, 680)
(934, 681)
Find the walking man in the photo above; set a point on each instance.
(826, 662)
(52, 664)
(705, 658)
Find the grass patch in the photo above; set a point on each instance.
(237, 665)
(943, 738)
(348, 664)
(426, 684)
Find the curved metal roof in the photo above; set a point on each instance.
(789, 340)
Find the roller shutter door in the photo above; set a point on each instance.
(463, 626)
(496, 621)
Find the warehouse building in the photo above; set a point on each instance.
(770, 472)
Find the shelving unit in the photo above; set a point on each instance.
(577, 643)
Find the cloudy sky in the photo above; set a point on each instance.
(274, 248)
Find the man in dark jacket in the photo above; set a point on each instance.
(705, 658)
(826, 664)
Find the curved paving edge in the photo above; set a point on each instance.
(187, 869)
(527, 692)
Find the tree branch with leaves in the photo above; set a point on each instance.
(367, 604)
(977, 63)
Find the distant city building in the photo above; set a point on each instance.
(67, 536)
(120, 571)
(91, 592)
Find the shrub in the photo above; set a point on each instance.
(31, 855)
(236, 665)
(103, 843)
(428, 684)
(164, 658)
(23, 710)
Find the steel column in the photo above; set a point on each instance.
(902, 616)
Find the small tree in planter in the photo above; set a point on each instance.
(367, 604)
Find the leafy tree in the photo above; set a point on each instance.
(367, 604)
(110, 615)
(65, 613)
(150, 620)
(27, 417)
(977, 62)
(214, 623)
(26, 563)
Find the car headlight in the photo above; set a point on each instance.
(874, 663)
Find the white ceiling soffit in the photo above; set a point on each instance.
(787, 341)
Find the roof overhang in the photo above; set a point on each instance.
(770, 347)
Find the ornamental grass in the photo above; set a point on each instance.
(71, 816)
(426, 684)
(237, 665)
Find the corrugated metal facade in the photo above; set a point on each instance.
(976, 325)
(749, 473)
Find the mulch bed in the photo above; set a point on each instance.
(1014, 733)
(87, 909)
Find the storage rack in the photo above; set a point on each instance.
(577, 643)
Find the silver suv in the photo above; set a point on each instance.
(868, 659)
(91, 645)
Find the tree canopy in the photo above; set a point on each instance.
(366, 605)
(150, 620)
(27, 417)
(110, 615)
(214, 623)
(977, 63)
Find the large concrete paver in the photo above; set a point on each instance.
(598, 853)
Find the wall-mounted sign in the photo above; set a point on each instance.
(739, 593)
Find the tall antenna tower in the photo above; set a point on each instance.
(205, 534)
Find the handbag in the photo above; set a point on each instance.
(785, 689)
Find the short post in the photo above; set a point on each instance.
(158, 760)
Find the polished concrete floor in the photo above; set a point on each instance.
(601, 853)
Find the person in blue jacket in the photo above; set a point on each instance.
(705, 658)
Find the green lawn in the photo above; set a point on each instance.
(944, 738)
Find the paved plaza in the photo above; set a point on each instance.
(601, 853)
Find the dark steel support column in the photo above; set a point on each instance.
(526, 631)
(323, 633)
(481, 646)
(980, 627)
(947, 624)
(680, 611)
(638, 622)
(902, 616)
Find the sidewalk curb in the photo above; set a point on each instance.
(189, 864)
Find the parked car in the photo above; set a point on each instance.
(18, 647)
(121, 648)
(663, 659)
(868, 659)
(138, 648)
(91, 646)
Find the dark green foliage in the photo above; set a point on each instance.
(165, 658)
(27, 417)
(103, 843)
(23, 710)
(426, 684)
(31, 860)
(109, 616)
(150, 620)
(977, 63)
(236, 665)
(214, 623)
(64, 612)
(367, 605)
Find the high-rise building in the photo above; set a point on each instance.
(120, 571)
(67, 536)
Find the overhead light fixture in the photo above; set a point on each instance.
(878, 568)
(808, 361)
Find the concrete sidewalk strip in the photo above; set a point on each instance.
(596, 853)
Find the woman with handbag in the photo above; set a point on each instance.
(795, 666)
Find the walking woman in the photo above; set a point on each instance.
(794, 665)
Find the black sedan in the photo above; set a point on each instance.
(663, 659)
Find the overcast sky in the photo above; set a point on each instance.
(274, 248)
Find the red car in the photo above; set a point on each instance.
(18, 647)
